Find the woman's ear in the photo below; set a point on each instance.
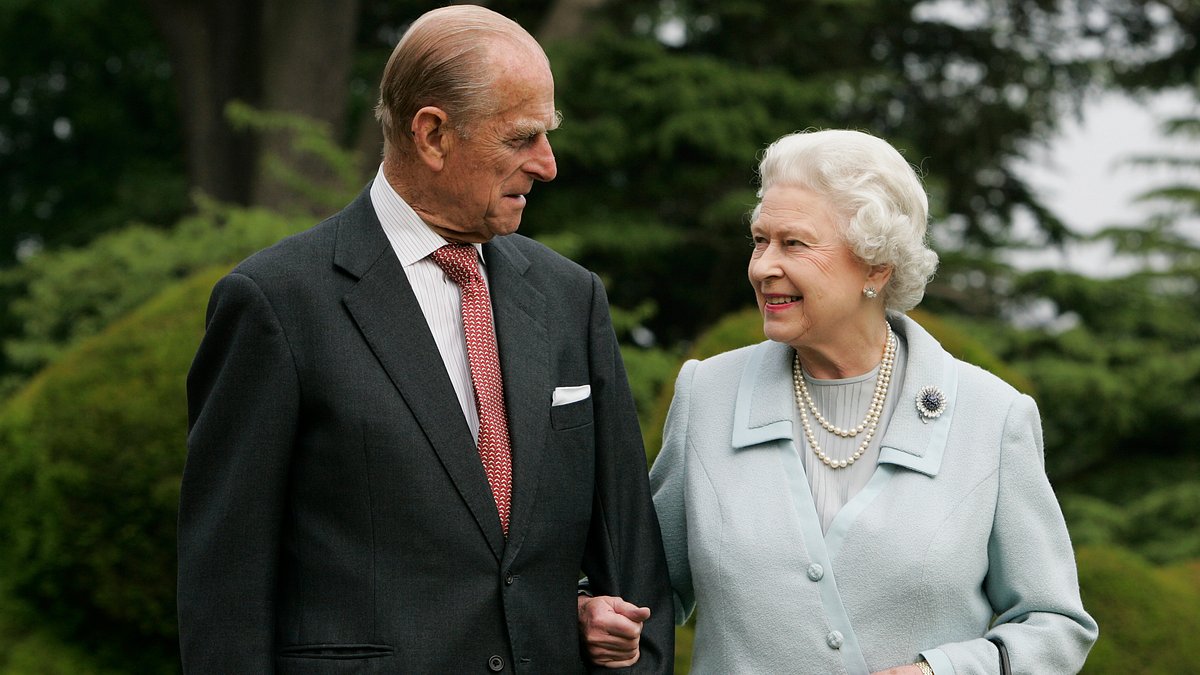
(879, 275)
(431, 136)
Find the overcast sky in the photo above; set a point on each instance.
(1081, 178)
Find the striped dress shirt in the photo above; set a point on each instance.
(439, 297)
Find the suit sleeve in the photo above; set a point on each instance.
(1031, 582)
(624, 554)
(243, 396)
(667, 479)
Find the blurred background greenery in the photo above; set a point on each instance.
(147, 146)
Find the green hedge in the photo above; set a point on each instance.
(68, 295)
(89, 489)
(1149, 616)
(27, 649)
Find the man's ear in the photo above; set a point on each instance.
(432, 136)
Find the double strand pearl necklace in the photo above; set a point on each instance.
(866, 427)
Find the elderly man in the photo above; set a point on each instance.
(410, 428)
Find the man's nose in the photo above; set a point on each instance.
(542, 165)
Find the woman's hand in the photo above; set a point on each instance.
(611, 630)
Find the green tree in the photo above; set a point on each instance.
(1119, 358)
(668, 104)
(64, 295)
(290, 56)
(88, 134)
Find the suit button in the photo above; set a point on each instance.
(496, 664)
(815, 572)
(508, 579)
(834, 639)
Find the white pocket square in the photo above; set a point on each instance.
(565, 395)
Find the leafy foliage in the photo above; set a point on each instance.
(306, 139)
(28, 649)
(1149, 617)
(1117, 360)
(656, 156)
(70, 294)
(891, 67)
(90, 509)
(1160, 526)
(63, 295)
(88, 133)
(666, 106)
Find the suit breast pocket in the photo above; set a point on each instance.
(571, 415)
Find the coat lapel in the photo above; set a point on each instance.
(763, 411)
(910, 441)
(519, 310)
(385, 309)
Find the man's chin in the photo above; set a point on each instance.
(505, 227)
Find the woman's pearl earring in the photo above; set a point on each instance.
(870, 292)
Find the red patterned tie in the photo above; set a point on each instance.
(459, 263)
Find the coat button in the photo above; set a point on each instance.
(508, 579)
(496, 664)
(834, 639)
(815, 572)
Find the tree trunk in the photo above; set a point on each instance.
(566, 19)
(212, 45)
(279, 55)
(307, 53)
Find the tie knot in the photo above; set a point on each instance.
(458, 261)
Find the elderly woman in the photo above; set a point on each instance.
(847, 497)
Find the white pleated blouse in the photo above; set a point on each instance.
(844, 403)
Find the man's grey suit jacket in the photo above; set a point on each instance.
(335, 516)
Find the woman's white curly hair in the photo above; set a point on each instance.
(874, 190)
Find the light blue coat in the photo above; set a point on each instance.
(958, 524)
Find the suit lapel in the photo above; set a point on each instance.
(520, 314)
(385, 309)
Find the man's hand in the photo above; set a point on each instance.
(611, 630)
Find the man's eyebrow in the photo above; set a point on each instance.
(532, 127)
(528, 128)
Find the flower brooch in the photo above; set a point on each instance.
(931, 403)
